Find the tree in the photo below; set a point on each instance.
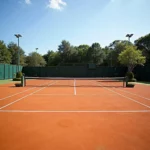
(53, 59)
(116, 42)
(13, 49)
(116, 47)
(73, 55)
(64, 50)
(5, 56)
(82, 53)
(107, 60)
(143, 44)
(96, 54)
(35, 60)
(46, 56)
(131, 57)
(67, 52)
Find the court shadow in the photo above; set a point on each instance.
(79, 86)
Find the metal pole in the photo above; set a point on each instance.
(129, 39)
(18, 55)
(17, 36)
(129, 36)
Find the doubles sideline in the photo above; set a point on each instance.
(27, 95)
(122, 95)
(20, 92)
(133, 94)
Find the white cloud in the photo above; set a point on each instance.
(28, 1)
(56, 4)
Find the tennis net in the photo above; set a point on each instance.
(74, 82)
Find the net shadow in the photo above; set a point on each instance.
(79, 86)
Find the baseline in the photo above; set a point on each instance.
(76, 111)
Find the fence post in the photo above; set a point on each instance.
(4, 72)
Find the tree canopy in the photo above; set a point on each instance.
(53, 59)
(131, 57)
(35, 60)
(143, 43)
(96, 54)
(5, 56)
(68, 53)
(13, 49)
(82, 51)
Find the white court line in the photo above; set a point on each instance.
(75, 111)
(131, 93)
(25, 96)
(75, 91)
(16, 94)
(77, 95)
(51, 94)
(19, 93)
(126, 97)
(134, 94)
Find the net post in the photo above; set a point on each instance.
(22, 81)
(124, 81)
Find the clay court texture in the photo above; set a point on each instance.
(74, 115)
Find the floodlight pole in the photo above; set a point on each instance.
(129, 39)
(18, 36)
(36, 49)
(129, 36)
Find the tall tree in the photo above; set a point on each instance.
(66, 51)
(5, 56)
(143, 44)
(73, 55)
(131, 57)
(116, 48)
(13, 49)
(46, 56)
(96, 54)
(82, 53)
(35, 60)
(53, 58)
(107, 60)
(116, 42)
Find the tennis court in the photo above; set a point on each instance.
(74, 114)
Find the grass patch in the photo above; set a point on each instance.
(6, 81)
(144, 82)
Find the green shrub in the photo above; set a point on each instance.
(18, 84)
(130, 75)
(130, 85)
(132, 80)
(19, 74)
(16, 79)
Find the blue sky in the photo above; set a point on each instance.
(44, 24)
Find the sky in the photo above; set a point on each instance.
(43, 24)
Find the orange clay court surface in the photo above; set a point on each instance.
(54, 116)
